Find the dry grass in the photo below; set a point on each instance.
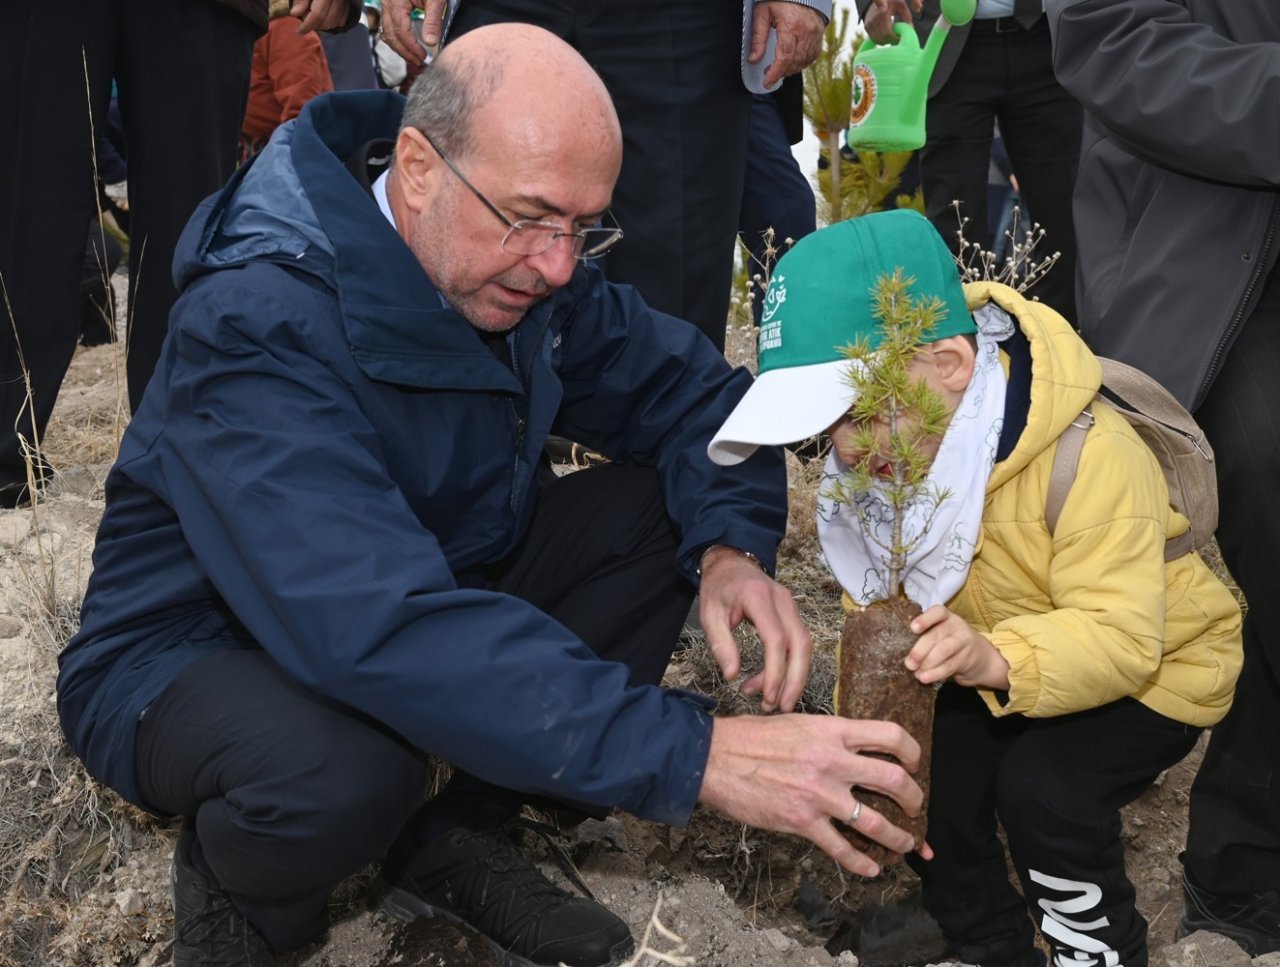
(92, 412)
(62, 836)
(65, 842)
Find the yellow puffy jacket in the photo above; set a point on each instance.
(1092, 613)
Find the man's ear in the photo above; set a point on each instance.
(953, 360)
(414, 164)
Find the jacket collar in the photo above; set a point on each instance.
(398, 327)
(1064, 375)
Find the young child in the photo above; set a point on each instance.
(1075, 666)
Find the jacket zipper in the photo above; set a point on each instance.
(1216, 363)
(520, 424)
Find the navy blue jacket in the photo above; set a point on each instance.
(327, 456)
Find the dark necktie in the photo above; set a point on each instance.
(1027, 12)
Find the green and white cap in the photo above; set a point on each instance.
(820, 300)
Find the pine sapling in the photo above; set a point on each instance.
(871, 680)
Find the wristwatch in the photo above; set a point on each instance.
(747, 554)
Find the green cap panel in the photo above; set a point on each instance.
(819, 298)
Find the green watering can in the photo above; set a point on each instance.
(891, 83)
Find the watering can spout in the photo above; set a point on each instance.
(955, 13)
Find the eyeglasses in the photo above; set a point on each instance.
(531, 237)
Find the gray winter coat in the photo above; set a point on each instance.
(1177, 201)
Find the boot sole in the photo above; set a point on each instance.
(400, 904)
(1248, 940)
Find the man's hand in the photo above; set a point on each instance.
(799, 37)
(796, 773)
(398, 32)
(734, 589)
(320, 14)
(949, 648)
(879, 18)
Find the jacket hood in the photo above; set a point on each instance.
(1065, 375)
(297, 204)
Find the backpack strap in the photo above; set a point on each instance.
(1065, 461)
(1176, 547)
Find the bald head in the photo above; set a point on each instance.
(513, 80)
(509, 150)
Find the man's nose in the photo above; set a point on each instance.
(557, 263)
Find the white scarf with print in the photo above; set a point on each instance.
(853, 536)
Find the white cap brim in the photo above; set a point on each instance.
(783, 406)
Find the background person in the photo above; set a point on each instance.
(182, 69)
(289, 69)
(776, 195)
(998, 68)
(1179, 197)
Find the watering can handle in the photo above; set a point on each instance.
(903, 30)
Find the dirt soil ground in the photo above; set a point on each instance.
(84, 878)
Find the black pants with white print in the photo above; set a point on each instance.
(1056, 785)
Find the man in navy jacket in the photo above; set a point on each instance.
(331, 546)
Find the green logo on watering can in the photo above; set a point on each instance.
(864, 94)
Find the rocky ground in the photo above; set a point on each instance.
(84, 879)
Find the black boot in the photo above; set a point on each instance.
(481, 879)
(208, 931)
(1252, 920)
(15, 487)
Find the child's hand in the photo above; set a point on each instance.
(949, 648)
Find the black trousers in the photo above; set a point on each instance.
(1056, 785)
(1006, 77)
(672, 69)
(182, 68)
(776, 195)
(292, 792)
(1233, 842)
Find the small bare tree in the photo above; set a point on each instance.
(871, 680)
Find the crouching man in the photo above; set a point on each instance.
(331, 546)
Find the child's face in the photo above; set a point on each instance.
(844, 439)
(940, 378)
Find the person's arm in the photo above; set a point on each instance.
(734, 589)
(332, 15)
(1104, 636)
(286, 500)
(641, 386)
(797, 773)
(799, 23)
(1176, 92)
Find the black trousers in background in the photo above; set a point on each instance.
(776, 194)
(1057, 786)
(1006, 77)
(182, 68)
(1233, 842)
(292, 792)
(672, 68)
